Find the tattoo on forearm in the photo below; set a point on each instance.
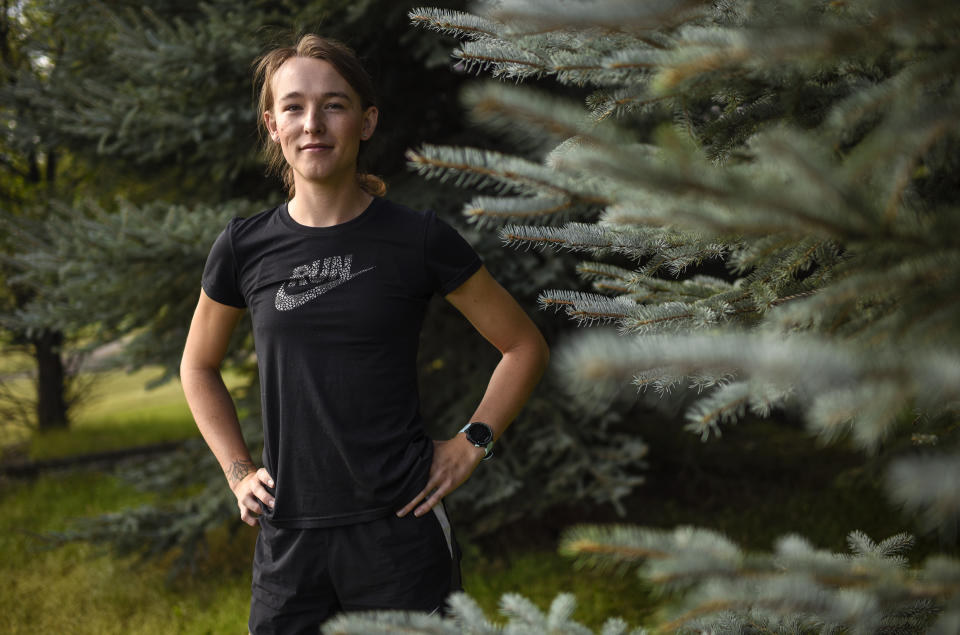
(238, 469)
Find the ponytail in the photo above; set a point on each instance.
(371, 184)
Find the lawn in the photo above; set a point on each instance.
(79, 588)
(120, 412)
(73, 588)
(759, 482)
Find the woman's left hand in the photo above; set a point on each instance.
(453, 463)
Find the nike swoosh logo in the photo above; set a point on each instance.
(285, 302)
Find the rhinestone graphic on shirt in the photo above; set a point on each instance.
(325, 274)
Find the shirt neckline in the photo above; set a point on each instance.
(288, 221)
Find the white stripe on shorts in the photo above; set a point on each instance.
(444, 524)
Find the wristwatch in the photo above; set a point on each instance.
(481, 436)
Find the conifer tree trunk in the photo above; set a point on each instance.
(48, 343)
(51, 401)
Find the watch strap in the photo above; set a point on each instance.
(487, 448)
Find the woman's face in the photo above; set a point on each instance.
(318, 120)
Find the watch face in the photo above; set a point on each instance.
(479, 434)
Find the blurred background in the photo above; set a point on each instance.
(128, 140)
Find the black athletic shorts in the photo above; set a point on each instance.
(302, 577)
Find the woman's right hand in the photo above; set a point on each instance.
(250, 491)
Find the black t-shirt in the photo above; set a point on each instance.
(336, 314)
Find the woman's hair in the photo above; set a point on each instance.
(346, 63)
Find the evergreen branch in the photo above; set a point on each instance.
(614, 544)
(807, 602)
(579, 68)
(904, 86)
(504, 58)
(621, 102)
(669, 316)
(621, 553)
(384, 622)
(523, 207)
(498, 104)
(807, 363)
(927, 486)
(868, 410)
(755, 253)
(927, 272)
(777, 605)
(861, 545)
(636, 59)
(675, 75)
(608, 16)
(456, 23)
(466, 611)
(592, 270)
(812, 149)
(716, 606)
(648, 288)
(606, 278)
(727, 204)
(730, 203)
(908, 160)
(725, 405)
(561, 610)
(663, 382)
(796, 583)
(607, 286)
(14, 169)
(472, 167)
(575, 237)
(799, 154)
(677, 259)
(587, 308)
(797, 260)
(706, 54)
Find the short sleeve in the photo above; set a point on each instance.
(449, 259)
(221, 278)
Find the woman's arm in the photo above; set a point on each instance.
(499, 319)
(212, 407)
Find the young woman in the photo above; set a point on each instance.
(336, 280)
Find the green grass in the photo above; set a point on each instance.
(81, 588)
(165, 423)
(15, 361)
(540, 574)
(121, 412)
(75, 588)
(78, 588)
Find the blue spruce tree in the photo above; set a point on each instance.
(812, 149)
(157, 102)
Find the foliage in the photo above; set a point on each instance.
(20, 391)
(767, 196)
(466, 617)
(796, 589)
(157, 102)
(28, 172)
(77, 588)
(822, 231)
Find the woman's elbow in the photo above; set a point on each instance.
(544, 352)
(540, 352)
(191, 364)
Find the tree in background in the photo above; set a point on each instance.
(811, 149)
(159, 104)
(29, 165)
